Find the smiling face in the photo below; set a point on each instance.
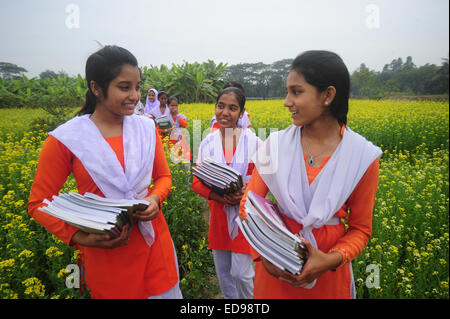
(162, 100)
(122, 94)
(228, 111)
(151, 96)
(305, 103)
(173, 107)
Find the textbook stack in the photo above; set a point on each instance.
(163, 122)
(218, 177)
(92, 213)
(267, 233)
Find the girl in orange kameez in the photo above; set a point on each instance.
(317, 98)
(141, 262)
(232, 146)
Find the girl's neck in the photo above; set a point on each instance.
(324, 130)
(108, 123)
(230, 137)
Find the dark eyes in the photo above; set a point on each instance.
(233, 108)
(126, 87)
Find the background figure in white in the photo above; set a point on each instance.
(139, 108)
(151, 101)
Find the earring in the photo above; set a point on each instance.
(326, 102)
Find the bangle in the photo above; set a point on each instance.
(344, 254)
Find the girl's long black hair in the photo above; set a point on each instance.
(102, 67)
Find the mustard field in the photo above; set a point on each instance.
(407, 256)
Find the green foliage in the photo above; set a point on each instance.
(189, 82)
(399, 76)
(183, 212)
(10, 70)
(261, 80)
(42, 93)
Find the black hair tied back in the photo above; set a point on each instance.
(323, 69)
(102, 67)
(237, 92)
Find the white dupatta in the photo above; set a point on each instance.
(211, 147)
(156, 112)
(313, 205)
(82, 137)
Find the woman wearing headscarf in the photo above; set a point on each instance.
(151, 101)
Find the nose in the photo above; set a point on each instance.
(287, 101)
(225, 111)
(135, 95)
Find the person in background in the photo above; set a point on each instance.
(319, 172)
(151, 101)
(139, 108)
(113, 153)
(177, 119)
(244, 119)
(232, 146)
(162, 108)
(176, 137)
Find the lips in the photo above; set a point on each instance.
(222, 120)
(130, 106)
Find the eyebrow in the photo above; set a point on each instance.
(127, 82)
(295, 86)
(228, 104)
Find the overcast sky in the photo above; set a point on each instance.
(61, 34)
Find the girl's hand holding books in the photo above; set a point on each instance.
(101, 240)
(235, 198)
(317, 263)
(151, 212)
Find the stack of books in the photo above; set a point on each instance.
(92, 213)
(163, 122)
(218, 177)
(267, 233)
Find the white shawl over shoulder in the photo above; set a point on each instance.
(82, 137)
(211, 147)
(280, 163)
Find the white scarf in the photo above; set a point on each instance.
(156, 112)
(177, 129)
(82, 137)
(313, 205)
(211, 147)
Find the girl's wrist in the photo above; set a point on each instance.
(155, 198)
(334, 260)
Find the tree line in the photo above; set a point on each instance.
(400, 78)
(200, 82)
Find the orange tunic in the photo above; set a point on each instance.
(218, 236)
(132, 271)
(350, 243)
(182, 151)
(181, 121)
